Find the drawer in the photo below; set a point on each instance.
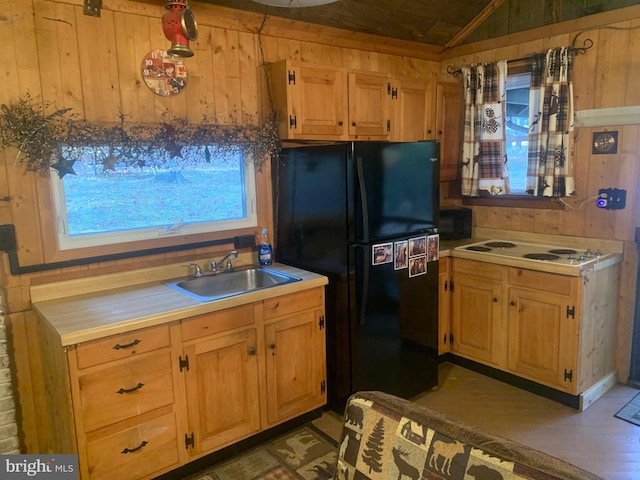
(218, 322)
(126, 389)
(294, 302)
(480, 269)
(543, 281)
(135, 452)
(121, 346)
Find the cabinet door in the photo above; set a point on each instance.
(413, 103)
(222, 390)
(444, 307)
(476, 318)
(369, 106)
(449, 123)
(295, 363)
(543, 338)
(319, 105)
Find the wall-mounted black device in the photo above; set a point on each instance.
(612, 198)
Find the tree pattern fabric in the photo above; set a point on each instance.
(388, 438)
(550, 166)
(484, 155)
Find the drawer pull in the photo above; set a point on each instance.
(131, 450)
(130, 390)
(117, 346)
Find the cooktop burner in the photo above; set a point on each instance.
(478, 248)
(563, 251)
(541, 256)
(500, 244)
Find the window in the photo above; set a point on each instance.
(209, 189)
(517, 129)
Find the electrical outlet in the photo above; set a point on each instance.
(244, 241)
(612, 198)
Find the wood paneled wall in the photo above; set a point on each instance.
(59, 55)
(606, 76)
(92, 65)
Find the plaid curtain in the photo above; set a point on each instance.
(549, 171)
(484, 161)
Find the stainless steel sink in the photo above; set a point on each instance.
(228, 284)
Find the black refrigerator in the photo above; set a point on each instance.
(365, 214)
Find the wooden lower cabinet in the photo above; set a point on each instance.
(476, 317)
(553, 329)
(295, 353)
(295, 365)
(543, 337)
(139, 404)
(444, 306)
(124, 404)
(139, 450)
(222, 390)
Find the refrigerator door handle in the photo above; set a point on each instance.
(364, 297)
(363, 200)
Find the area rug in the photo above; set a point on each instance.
(305, 453)
(631, 411)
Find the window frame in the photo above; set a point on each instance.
(515, 200)
(67, 242)
(46, 230)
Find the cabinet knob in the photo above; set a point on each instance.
(495, 300)
(513, 304)
(252, 350)
(353, 124)
(340, 123)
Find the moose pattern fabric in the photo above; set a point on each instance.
(550, 170)
(385, 437)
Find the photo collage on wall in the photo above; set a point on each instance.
(413, 254)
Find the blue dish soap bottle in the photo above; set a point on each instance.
(265, 252)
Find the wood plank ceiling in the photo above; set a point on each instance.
(443, 23)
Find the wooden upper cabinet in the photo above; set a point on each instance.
(369, 106)
(315, 102)
(318, 97)
(413, 105)
(449, 127)
(310, 100)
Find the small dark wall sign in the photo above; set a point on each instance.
(604, 143)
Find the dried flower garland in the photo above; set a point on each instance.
(40, 138)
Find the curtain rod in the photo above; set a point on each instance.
(587, 44)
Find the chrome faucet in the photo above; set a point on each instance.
(198, 272)
(227, 266)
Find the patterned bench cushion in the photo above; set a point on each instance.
(386, 437)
